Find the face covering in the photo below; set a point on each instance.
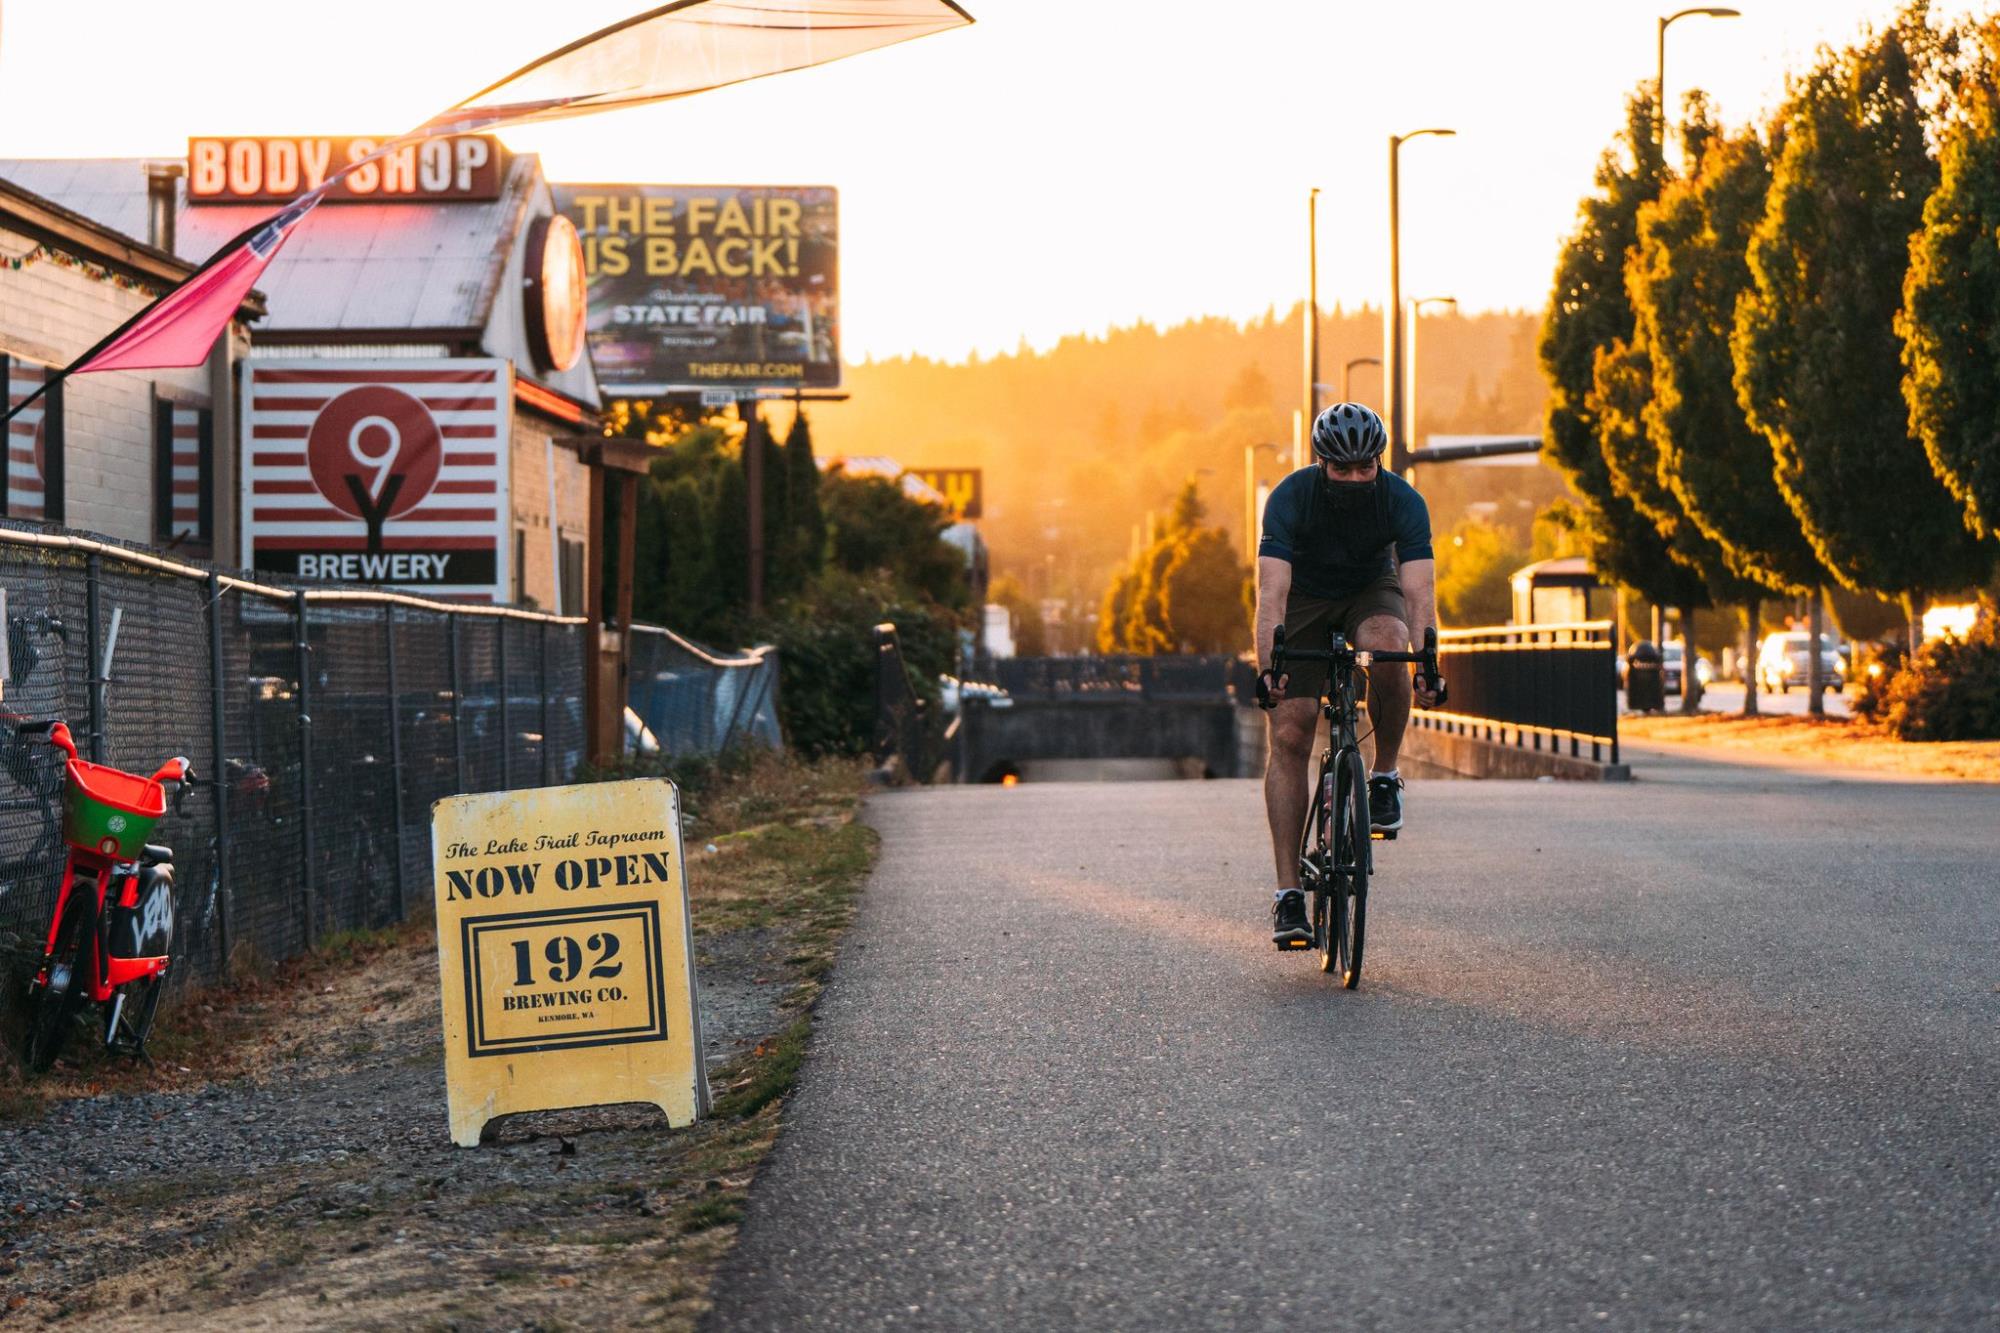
(1348, 497)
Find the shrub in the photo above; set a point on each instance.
(826, 657)
(1951, 690)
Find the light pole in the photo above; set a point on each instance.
(1392, 312)
(1347, 374)
(1312, 308)
(1250, 525)
(1660, 63)
(1410, 406)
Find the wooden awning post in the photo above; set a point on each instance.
(616, 465)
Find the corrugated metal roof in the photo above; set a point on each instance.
(349, 266)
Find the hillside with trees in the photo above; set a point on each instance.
(1087, 446)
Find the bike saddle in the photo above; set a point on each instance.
(153, 854)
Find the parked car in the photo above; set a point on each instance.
(1671, 656)
(1782, 661)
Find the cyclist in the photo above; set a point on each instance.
(1347, 545)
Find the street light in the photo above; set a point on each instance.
(1312, 307)
(1250, 495)
(1410, 408)
(1660, 65)
(1347, 374)
(1392, 312)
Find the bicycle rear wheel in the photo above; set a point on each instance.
(1350, 878)
(58, 999)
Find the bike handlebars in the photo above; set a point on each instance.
(177, 770)
(1343, 652)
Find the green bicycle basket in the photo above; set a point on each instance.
(109, 811)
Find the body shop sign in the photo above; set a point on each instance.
(389, 472)
(566, 952)
(709, 286)
(275, 170)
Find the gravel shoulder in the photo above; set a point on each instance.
(288, 1162)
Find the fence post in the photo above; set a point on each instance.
(217, 683)
(93, 651)
(506, 727)
(545, 703)
(395, 751)
(306, 769)
(457, 695)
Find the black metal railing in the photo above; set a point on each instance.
(902, 721)
(1549, 687)
(1178, 678)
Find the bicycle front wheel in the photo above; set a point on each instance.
(1351, 853)
(60, 996)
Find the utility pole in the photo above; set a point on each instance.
(1392, 312)
(753, 476)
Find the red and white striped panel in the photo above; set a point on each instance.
(287, 517)
(25, 447)
(186, 472)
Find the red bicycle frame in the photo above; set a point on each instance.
(103, 973)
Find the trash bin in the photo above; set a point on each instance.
(1645, 681)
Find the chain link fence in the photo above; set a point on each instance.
(696, 701)
(322, 725)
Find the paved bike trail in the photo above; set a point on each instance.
(1712, 1050)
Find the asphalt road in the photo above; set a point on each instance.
(1716, 1049)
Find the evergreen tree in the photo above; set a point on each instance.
(1951, 300)
(1588, 314)
(1815, 344)
(1684, 282)
(730, 547)
(808, 529)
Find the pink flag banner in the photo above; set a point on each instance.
(676, 50)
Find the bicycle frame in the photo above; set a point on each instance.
(104, 973)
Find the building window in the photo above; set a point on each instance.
(571, 576)
(34, 444)
(520, 566)
(183, 474)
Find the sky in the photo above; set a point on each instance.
(1060, 167)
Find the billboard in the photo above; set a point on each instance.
(709, 287)
(381, 472)
(273, 169)
(960, 486)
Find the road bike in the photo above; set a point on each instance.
(111, 948)
(1336, 851)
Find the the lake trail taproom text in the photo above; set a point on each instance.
(566, 952)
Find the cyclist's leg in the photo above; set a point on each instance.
(1388, 687)
(1375, 619)
(1293, 724)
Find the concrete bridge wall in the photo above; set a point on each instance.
(996, 741)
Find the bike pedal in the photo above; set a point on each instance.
(1383, 835)
(1295, 944)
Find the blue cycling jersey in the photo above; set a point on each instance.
(1337, 554)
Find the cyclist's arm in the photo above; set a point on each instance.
(1274, 585)
(1419, 579)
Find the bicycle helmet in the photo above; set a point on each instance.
(1348, 433)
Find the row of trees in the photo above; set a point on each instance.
(1780, 368)
(1185, 591)
(842, 554)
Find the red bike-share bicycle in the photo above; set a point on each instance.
(111, 934)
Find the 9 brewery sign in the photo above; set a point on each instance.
(379, 472)
(566, 952)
